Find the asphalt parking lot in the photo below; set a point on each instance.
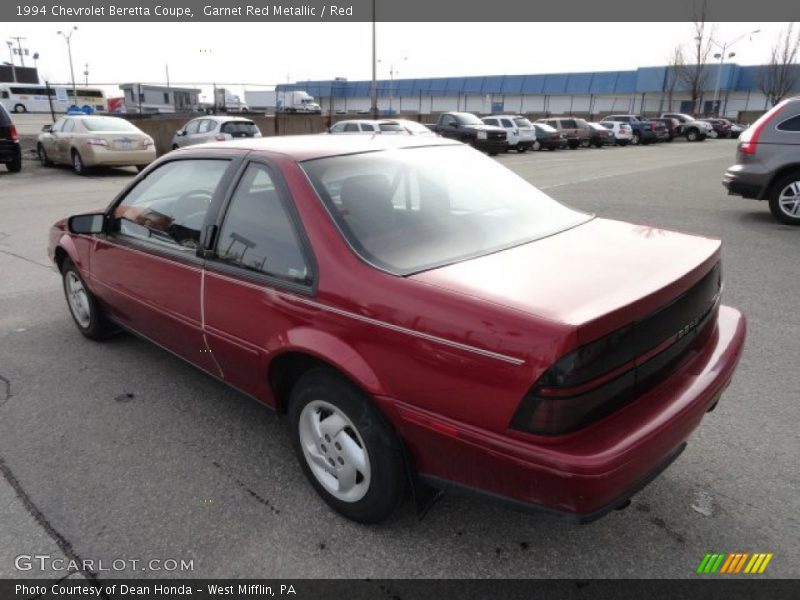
(118, 450)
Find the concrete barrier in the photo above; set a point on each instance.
(163, 128)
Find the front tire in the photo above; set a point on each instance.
(537, 145)
(41, 154)
(636, 139)
(83, 307)
(346, 448)
(784, 199)
(20, 108)
(692, 135)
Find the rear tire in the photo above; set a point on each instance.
(346, 448)
(77, 163)
(784, 199)
(20, 108)
(692, 135)
(636, 139)
(537, 145)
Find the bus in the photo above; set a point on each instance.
(25, 97)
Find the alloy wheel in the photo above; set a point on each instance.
(78, 299)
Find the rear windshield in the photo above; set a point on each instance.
(390, 127)
(521, 122)
(108, 124)
(468, 119)
(410, 210)
(234, 127)
(5, 118)
(546, 128)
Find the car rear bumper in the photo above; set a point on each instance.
(9, 151)
(740, 182)
(585, 474)
(99, 155)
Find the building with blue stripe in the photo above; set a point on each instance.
(644, 90)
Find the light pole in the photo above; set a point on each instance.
(724, 46)
(392, 72)
(68, 37)
(11, 56)
(86, 75)
(374, 89)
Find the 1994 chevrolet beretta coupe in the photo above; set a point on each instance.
(424, 317)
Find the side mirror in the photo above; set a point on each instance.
(454, 125)
(47, 128)
(86, 224)
(181, 132)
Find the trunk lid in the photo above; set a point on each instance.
(598, 277)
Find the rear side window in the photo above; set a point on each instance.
(506, 122)
(490, 121)
(367, 127)
(258, 234)
(791, 124)
(569, 124)
(390, 127)
(351, 127)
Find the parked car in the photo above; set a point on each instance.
(671, 127)
(737, 129)
(519, 131)
(360, 285)
(644, 131)
(768, 162)
(692, 129)
(214, 129)
(86, 141)
(720, 127)
(575, 132)
(623, 134)
(548, 138)
(10, 152)
(600, 135)
(467, 128)
(373, 126)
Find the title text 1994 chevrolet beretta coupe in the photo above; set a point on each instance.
(425, 318)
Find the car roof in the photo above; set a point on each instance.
(220, 119)
(308, 147)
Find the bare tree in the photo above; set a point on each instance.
(671, 76)
(692, 70)
(779, 77)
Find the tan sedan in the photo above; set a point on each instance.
(91, 140)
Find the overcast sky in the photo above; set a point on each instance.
(268, 53)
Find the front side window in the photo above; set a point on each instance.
(68, 126)
(351, 127)
(192, 127)
(506, 123)
(414, 209)
(205, 126)
(258, 233)
(169, 206)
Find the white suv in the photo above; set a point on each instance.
(520, 132)
(691, 128)
(623, 134)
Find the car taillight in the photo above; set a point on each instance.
(748, 140)
(652, 126)
(96, 142)
(598, 378)
(14, 136)
(147, 142)
(220, 137)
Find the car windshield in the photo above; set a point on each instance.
(521, 122)
(109, 124)
(410, 210)
(469, 119)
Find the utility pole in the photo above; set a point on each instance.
(86, 75)
(11, 56)
(68, 38)
(374, 90)
(19, 46)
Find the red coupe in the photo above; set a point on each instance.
(423, 316)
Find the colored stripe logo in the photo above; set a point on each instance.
(734, 563)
